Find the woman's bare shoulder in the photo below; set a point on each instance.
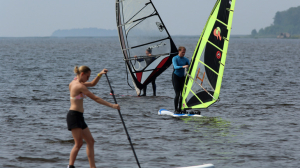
(71, 84)
(77, 85)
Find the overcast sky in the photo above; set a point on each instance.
(23, 18)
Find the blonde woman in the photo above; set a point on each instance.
(75, 120)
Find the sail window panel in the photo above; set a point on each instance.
(136, 9)
(199, 98)
(201, 76)
(144, 32)
(189, 97)
(200, 84)
(139, 65)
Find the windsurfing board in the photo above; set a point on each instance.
(170, 113)
(200, 166)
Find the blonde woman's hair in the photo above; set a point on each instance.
(180, 48)
(83, 69)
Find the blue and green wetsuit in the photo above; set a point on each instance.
(178, 78)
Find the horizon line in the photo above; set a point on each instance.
(98, 36)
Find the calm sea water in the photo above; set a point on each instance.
(256, 123)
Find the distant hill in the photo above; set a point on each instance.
(284, 22)
(85, 32)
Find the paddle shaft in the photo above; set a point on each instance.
(128, 137)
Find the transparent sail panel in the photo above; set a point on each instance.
(146, 44)
(201, 89)
(135, 9)
(148, 33)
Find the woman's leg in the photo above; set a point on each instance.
(87, 136)
(78, 138)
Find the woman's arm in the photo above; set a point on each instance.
(95, 81)
(97, 99)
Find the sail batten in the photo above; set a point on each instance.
(146, 43)
(204, 77)
(214, 45)
(208, 67)
(143, 18)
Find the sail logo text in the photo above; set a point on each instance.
(158, 45)
(160, 26)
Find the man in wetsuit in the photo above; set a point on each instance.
(148, 61)
(179, 63)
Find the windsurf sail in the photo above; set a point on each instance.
(204, 76)
(141, 28)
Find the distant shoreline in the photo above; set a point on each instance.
(85, 32)
(196, 36)
(264, 36)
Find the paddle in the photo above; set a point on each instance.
(128, 137)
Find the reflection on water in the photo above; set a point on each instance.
(216, 123)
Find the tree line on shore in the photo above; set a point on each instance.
(286, 24)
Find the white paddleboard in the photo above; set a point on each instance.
(200, 166)
(170, 113)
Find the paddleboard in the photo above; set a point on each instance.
(170, 113)
(200, 166)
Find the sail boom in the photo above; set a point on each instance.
(148, 70)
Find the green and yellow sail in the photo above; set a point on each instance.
(204, 77)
